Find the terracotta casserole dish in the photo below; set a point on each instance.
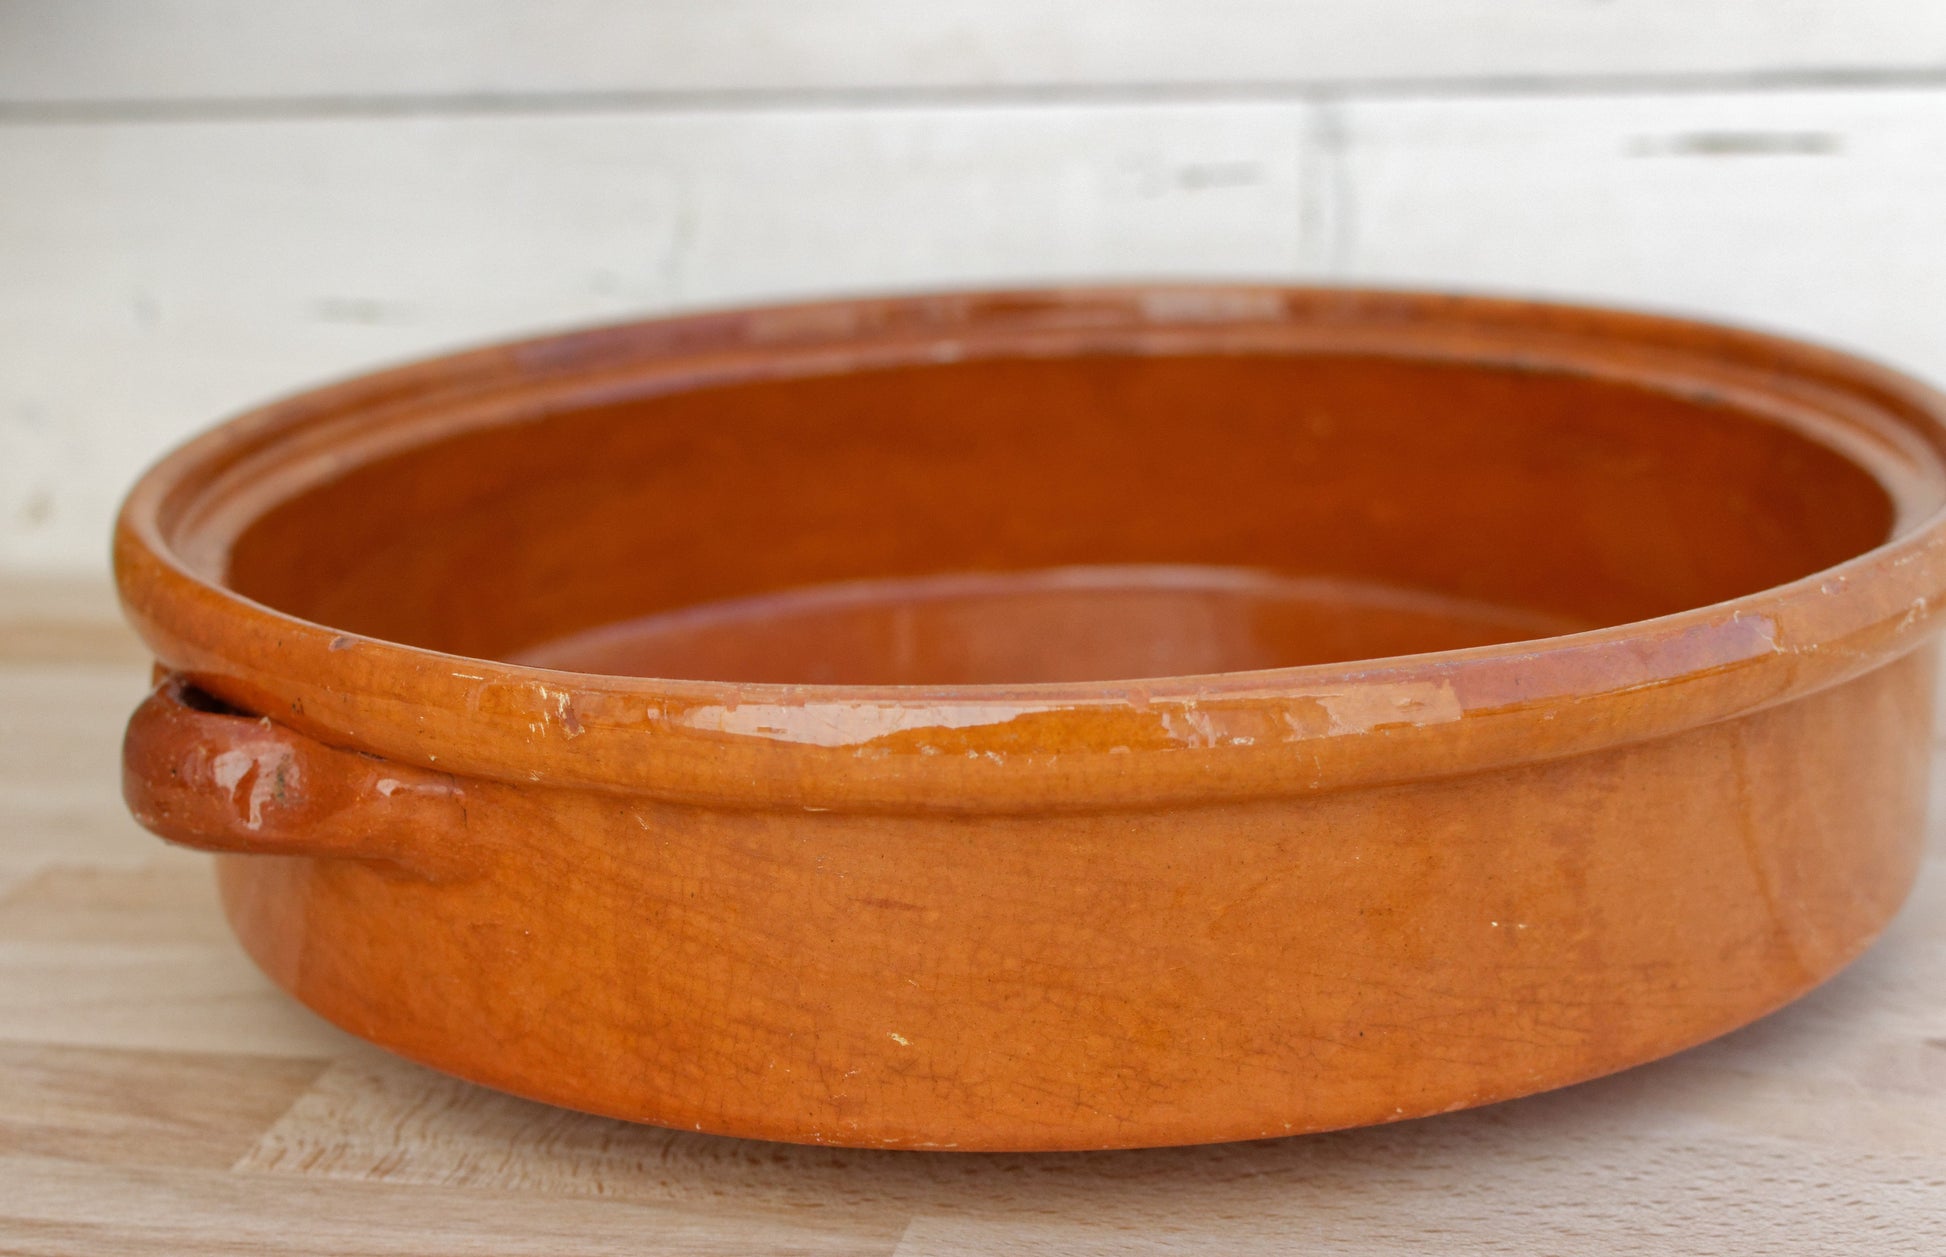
(1053, 719)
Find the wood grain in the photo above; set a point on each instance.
(65, 1207)
(198, 1121)
(60, 752)
(141, 962)
(142, 1107)
(65, 620)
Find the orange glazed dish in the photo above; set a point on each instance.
(1053, 719)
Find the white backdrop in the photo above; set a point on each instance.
(205, 203)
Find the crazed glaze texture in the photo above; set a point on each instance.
(1075, 813)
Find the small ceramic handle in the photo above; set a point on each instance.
(221, 781)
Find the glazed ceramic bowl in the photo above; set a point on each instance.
(1057, 719)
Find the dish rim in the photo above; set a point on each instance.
(1423, 715)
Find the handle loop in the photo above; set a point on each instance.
(203, 776)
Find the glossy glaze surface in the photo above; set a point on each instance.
(1054, 720)
(1046, 625)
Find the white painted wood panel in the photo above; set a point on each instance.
(1818, 213)
(158, 276)
(91, 50)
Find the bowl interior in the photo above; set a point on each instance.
(1080, 518)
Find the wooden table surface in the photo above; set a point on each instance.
(157, 1095)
